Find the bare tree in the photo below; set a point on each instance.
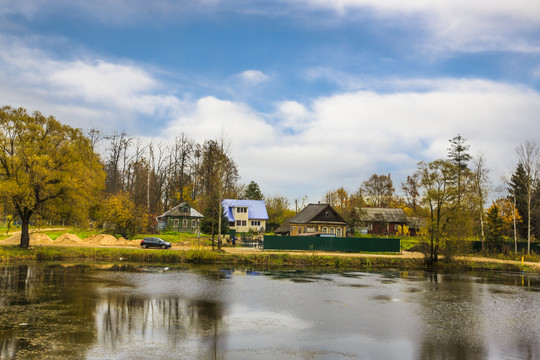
(411, 190)
(181, 156)
(528, 157)
(379, 190)
(481, 187)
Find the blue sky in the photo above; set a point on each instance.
(312, 94)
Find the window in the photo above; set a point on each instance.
(370, 226)
(310, 229)
(185, 209)
(255, 223)
(241, 210)
(293, 229)
(176, 221)
(324, 230)
(332, 230)
(193, 223)
(244, 222)
(339, 232)
(185, 223)
(238, 222)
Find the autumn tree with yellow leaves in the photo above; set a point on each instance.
(44, 165)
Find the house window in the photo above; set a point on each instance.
(293, 229)
(324, 230)
(185, 223)
(186, 209)
(310, 229)
(370, 226)
(175, 222)
(241, 210)
(332, 230)
(244, 222)
(238, 222)
(194, 223)
(255, 223)
(339, 232)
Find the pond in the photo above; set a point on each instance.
(130, 312)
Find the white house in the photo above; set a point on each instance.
(246, 215)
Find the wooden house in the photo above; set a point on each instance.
(382, 221)
(315, 219)
(181, 218)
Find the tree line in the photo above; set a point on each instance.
(452, 195)
(52, 171)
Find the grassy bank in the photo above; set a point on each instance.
(9, 254)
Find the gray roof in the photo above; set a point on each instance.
(175, 211)
(284, 228)
(308, 213)
(417, 222)
(386, 215)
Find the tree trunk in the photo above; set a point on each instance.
(529, 224)
(482, 229)
(515, 225)
(25, 235)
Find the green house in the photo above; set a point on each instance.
(181, 218)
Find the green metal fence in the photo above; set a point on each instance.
(331, 244)
(505, 246)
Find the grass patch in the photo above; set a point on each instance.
(265, 260)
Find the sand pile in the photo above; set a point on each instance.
(126, 242)
(12, 240)
(40, 239)
(35, 239)
(104, 240)
(68, 239)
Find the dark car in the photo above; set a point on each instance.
(155, 242)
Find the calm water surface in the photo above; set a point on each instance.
(129, 312)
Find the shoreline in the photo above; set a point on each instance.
(257, 258)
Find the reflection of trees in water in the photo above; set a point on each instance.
(172, 320)
(44, 312)
(452, 314)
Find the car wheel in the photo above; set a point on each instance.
(163, 247)
(145, 246)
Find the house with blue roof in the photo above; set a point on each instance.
(246, 215)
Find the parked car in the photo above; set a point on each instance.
(155, 242)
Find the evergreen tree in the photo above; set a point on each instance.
(210, 222)
(495, 229)
(253, 192)
(517, 189)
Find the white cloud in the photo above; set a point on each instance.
(300, 147)
(253, 77)
(457, 25)
(105, 94)
(453, 25)
(341, 140)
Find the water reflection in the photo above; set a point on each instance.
(124, 320)
(451, 313)
(44, 313)
(122, 312)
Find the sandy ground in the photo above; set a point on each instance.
(67, 239)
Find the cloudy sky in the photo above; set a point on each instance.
(312, 94)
